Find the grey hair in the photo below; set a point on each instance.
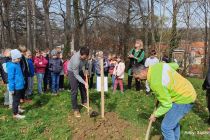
(138, 69)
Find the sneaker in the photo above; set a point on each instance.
(21, 110)
(18, 116)
(77, 114)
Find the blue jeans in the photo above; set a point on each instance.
(55, 81)
(40, 77)
(29, 90)
(113, 80)
(170, 125)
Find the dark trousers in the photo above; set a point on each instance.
(90, 82)
(74, 90)
(23, 94)
(69, 85)
(16, 100)
(61, 81)
(138, 83)
(47, 81)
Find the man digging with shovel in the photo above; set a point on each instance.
(175, 94)
(76, 79)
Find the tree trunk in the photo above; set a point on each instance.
(127, 30)
(2, 27)
(16, 42)
(48, 32)
(144, 28)
(206, 57)
(28, 24)
(188, 39)
(85, 34)
(68, 25)
(174, 37)
(152, 21)
(34, 23)
(7, 23)
(77, 24)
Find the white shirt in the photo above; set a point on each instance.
(151, 61)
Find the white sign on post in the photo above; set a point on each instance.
(105, 84)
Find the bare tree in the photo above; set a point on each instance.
(33, 3)
(28, 22)
(48, 32)
(7, 22)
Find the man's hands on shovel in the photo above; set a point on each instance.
(86, 85)
(152, 118)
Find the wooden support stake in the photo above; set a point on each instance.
(102, 87)
(87, 91)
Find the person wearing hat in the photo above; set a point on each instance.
(16, 82)
(55, 67)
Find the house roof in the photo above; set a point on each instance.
(198, 44)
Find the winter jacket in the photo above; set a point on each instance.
(119, 70)
(112, 66)
(31, 67)
(40, 64)
(90, 67)
(24, 66)
(15, 76)
(65, 67)
(169, 87)
(3, 69)
(55, 65)
(98, 67)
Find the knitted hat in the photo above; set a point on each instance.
(15, 54)
(54, 52)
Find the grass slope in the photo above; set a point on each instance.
(47, 116)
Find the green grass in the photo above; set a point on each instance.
(47, 116)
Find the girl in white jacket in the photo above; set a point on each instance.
(118, 72)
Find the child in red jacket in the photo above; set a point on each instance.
(40, 63)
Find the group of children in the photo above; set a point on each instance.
(18, 68)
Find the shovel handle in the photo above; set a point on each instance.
(87, 92)
(150, 123)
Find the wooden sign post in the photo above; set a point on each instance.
(102, 87)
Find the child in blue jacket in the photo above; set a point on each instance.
(16, 82)
(29, 90)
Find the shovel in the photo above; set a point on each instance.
(92, 113)
(150, 123)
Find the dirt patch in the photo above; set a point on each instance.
(111, 127)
